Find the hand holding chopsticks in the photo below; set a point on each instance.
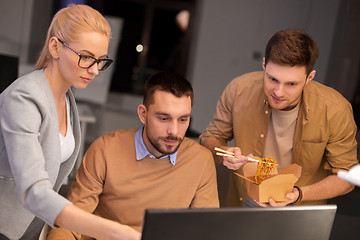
(221, 152)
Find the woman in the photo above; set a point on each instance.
(40, 131)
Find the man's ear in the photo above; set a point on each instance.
(54, 47)
(263, 63)
(310, 76)
(142, 113)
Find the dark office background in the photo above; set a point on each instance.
(152, 24)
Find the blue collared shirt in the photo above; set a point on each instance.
(142, 152)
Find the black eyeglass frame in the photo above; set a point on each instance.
(106, 61)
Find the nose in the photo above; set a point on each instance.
(173, 128)
(279, 90)
(94, 69)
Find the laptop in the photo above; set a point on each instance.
(295, 222)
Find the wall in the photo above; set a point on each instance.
(15, 20)
(23, 32)
(344, 67)
(230, 39)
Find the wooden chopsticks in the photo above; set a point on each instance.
(222, 152)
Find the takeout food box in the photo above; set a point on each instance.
(275, 186)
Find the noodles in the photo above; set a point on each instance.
(264, 167)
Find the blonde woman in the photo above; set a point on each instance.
(40, 131)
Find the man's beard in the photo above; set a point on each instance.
(169, 149)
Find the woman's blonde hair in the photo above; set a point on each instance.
(70, 22)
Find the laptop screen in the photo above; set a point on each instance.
(295, 222)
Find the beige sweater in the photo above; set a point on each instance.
(113, 184)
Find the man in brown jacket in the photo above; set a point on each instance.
(281, 113)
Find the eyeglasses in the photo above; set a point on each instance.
(87, 62)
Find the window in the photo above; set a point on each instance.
(155, 37)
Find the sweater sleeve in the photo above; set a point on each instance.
(62, 234)
(207, 192)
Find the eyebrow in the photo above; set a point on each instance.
(186, 115)
(269, 75)
(93, 55)
(166, 114)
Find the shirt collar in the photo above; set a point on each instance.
(142, 152)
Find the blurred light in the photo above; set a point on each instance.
(182, 19)
(139, 48)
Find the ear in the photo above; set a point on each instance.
(310, 76)
(142, 113)
(263, 63)
(54, 47)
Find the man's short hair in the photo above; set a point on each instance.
(292, 47)
(168, 82)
